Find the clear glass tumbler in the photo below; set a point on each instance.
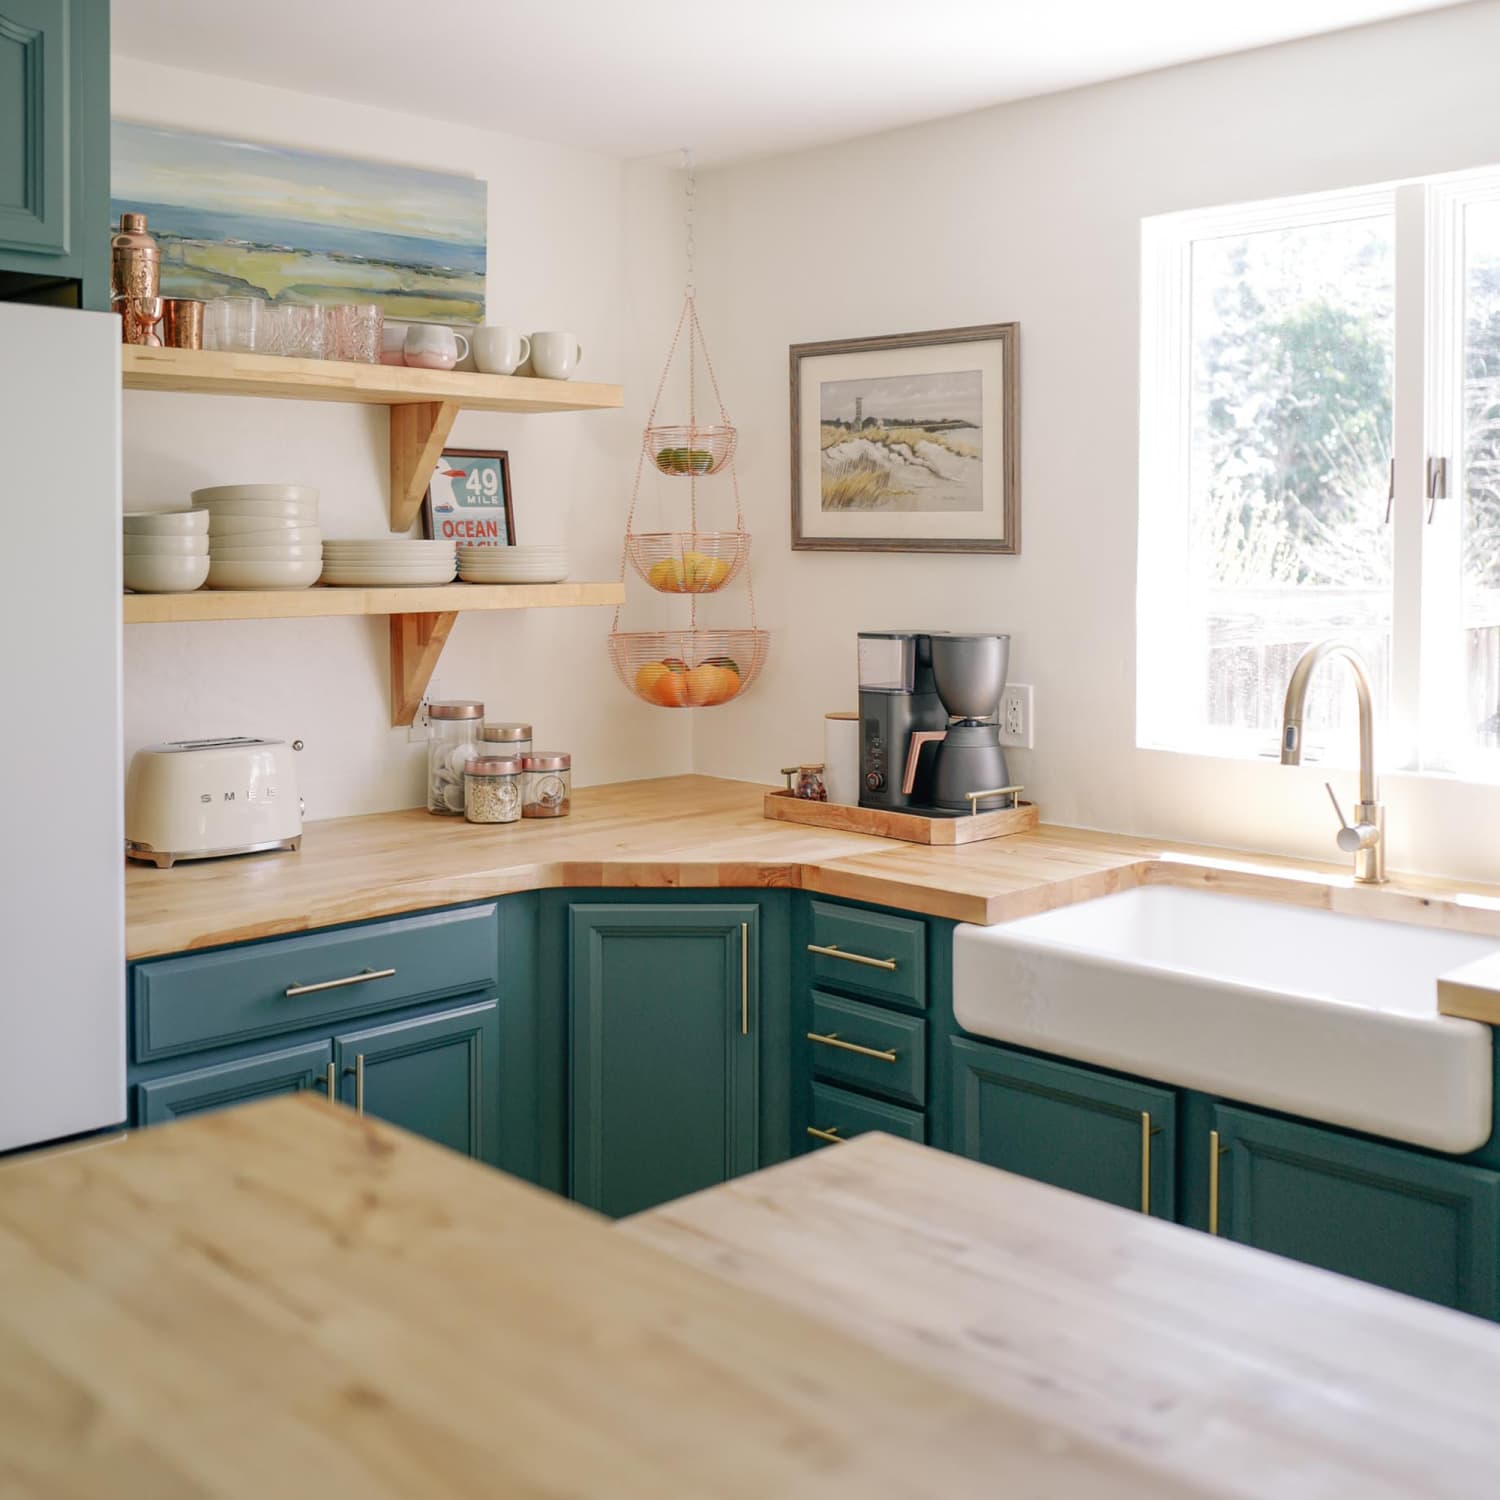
(307, 336)
(355, 332)
(231, 323)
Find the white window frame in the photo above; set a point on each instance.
(1427, 690)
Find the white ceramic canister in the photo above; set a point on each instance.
(841, 757)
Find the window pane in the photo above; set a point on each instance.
(1481, 474)
(1291, 389)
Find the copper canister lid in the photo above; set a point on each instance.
(505, 732)
(493, 765)
(549, 760)
(456, 708)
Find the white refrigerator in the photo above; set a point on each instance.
(62, 917)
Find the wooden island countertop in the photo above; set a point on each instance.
(700, 831)
(290, 1300)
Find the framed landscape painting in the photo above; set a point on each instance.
(908, 442)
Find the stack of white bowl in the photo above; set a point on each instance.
(534, 564)
(388, 562)
(262, 536)
(166, 551)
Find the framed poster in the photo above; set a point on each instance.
(908, 442)
(468, 499)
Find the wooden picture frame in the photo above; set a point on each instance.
(487, 519)
(933, 464)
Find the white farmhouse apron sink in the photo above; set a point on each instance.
(1326, 1016)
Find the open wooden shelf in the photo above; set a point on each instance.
(420, 618)
(423, 403)
(320, 603)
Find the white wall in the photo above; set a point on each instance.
(575, 241)
(1032, 212)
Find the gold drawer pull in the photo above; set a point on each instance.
(1147, 1131)
(831, 1134)
(1215, 1151)
(830, 951)
(833, 1039)
(337, 984)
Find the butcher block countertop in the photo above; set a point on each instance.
(699, 831)
(1223, 1370)
(290, 1300)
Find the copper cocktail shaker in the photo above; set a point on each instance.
(135, 279)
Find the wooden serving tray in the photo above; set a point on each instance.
(911, 828)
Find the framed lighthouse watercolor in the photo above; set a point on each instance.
(468, 499)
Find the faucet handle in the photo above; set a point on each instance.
(1350, 839)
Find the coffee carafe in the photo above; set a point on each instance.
(968, 768)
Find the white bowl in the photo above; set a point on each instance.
(263, 575)
(277, 526)
(148, 545)
(267, 554)
(165, 522)
(301, 494)
(298, 512)
(164, 575)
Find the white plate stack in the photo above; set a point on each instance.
(166, 551)
(262, 536)
(535, 564)
(391, 562)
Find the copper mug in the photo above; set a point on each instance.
(182, 323)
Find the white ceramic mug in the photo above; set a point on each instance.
(434, 346)
(555, 356)
(499, 351)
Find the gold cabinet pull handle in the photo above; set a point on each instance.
(831, 1134)
(331, 1083)
(744, 979)
(359, 1083)
(364, 977)
(833, 1039)
(1215, 1151)
(830, 950)
(1146, 1162)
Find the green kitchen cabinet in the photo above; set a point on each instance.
(1109, 1138)
(434, 1075)
(1401, 1219)
(289, 1070)
(54, 151)
(665, 1005)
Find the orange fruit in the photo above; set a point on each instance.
(710, 684)
(670, 690)
(647, 677)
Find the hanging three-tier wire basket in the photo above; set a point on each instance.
(695, 667)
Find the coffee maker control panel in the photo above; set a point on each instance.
(874, 756)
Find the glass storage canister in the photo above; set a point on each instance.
(505, 739)
(549, 785)
(454, 726)
(810, 786)
(492, 790)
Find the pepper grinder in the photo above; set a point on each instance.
(135, 279)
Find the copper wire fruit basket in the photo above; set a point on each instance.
(688, 668)
(691, 451)
(688, 562)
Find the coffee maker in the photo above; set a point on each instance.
(968, 673)
(897, 699)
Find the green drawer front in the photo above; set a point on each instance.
(224, 1085)
(897, 946)
(197, 1001)
(901, 1073)
(834, 1112)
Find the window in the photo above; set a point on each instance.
(1320, 456)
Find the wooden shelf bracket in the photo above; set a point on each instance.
(417, 642)
(419, 430)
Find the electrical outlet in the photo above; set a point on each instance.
(1017, 725)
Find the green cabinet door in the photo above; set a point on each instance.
(1109, 1138)
(437, 1076)
(288, 1071)
(54, 148)
(1414, 1223)
(664, 1002)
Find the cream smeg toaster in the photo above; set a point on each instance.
(195, 799)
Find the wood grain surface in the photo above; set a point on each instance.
(702, 832)
(289, 1300)
(1220, 1366)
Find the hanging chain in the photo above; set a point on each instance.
(690, 195)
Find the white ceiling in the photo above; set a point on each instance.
(640, 77)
